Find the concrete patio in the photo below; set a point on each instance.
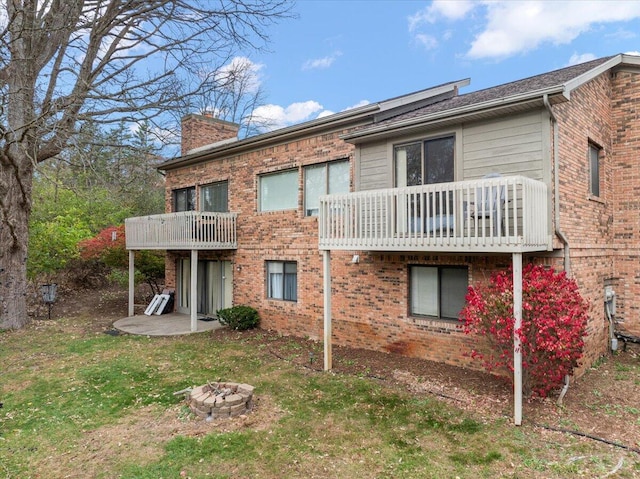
(172, 324)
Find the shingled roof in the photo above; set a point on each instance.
(513, 90)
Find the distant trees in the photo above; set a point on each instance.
(232, 93)
(65, 64)
(105, 178)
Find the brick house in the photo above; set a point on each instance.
(367, 226)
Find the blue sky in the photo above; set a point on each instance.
(340, 54)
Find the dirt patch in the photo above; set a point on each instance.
(149, 430)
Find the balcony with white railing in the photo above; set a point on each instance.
(188, 230)
(502, 214)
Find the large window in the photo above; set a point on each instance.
(438, 291)
(279, 191)
(425, 162)
(323, 179)
(215, 197)
(282, 280)
(184, 199)
(594, 169)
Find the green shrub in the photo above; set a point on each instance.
(239, 318)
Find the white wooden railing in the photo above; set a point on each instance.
(503, 214)
(184, 230)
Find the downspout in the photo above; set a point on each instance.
(556, 187)
(559, 233)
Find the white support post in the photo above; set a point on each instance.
(517, 350)
(326, 268)
(132, 282)
(193, 291)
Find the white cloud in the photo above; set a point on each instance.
(325, 113)
(635, 53)
(451, 10)
(427, 41)
(516, 27)
(447, 9)
(240, 72)
(358, 105)
(321, 63)
(581, 58)
(277, 116)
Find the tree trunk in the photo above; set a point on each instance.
(15, 206)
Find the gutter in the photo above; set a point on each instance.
(459, 111)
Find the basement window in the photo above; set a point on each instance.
(438, 291)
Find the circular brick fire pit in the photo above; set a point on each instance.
(221, 400)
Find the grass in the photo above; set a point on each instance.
(84, 404)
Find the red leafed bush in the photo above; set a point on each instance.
(107, 246)
(554, 319)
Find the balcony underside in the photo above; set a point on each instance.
(496, 215)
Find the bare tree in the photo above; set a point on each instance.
(65, 62)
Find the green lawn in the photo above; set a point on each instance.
(80, 403)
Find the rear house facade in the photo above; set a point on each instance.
(367, 227)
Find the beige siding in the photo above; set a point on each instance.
(517, 145)
(510, 146)
(375, 168)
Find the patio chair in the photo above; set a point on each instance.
(489, 203)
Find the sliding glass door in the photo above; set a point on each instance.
(214, 286)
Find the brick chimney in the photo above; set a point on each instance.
(201, 130)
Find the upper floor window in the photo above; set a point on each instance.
(323, 179)
(184, 199)
(594, 169)
(279, 191)
(282, 280)
(438, 291)
(425, 162)
(215, 197)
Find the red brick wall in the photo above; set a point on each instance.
(626, 196)
(369, 299)
(588, 222)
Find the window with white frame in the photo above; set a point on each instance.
(594, 169)
(279, 191)
(184, 199)
(215, 197)
(438, 291)
(282, 280)
(322, 179)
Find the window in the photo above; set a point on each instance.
(323, 179)
(426, 162)
(279, 191)
(215, 197)
(282, 280)
(594, 169)
(184, 199)
(438, 291)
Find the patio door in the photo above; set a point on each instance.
(215, 282)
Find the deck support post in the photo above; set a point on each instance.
(326, 268)
(193, 290)
(517, 350)
(132, 282)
